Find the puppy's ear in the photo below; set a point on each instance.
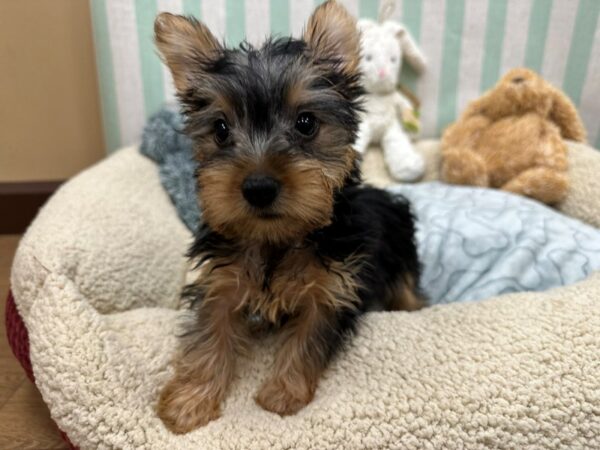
(184, 45)
(332, 35)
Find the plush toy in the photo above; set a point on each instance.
(383, 46)
(512, 138)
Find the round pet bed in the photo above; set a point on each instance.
(96, 282)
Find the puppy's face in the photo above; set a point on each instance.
(272, 127)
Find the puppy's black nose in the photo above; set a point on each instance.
(260, 190)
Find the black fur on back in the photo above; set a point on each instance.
(381, 227)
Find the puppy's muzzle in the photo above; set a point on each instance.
(260, 190)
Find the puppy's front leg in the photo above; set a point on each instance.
(193, 397)
(310, 340)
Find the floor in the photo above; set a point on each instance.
(24, 418)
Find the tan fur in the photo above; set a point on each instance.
(298, 364)
(306, 289)
(299, 92)
(305, 201)
(181, 44)
(401, 296)
(512, 138)
(203, 373)
(332, 34)
(299, 278)
(303, 288)
(306, 198)
(329, 137)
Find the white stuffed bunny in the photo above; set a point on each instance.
(383, 45)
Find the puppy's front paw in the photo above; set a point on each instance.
(184, 407)
(280, 398)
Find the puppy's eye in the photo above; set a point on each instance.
(368, 57)
(221, 131)
(393, 59)
(306, 124)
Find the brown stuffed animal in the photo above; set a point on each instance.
(512, 138)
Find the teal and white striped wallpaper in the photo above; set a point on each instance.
(468, 43)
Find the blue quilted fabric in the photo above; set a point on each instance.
(474, 243)
(477, 243)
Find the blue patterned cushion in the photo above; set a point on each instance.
(477, 243)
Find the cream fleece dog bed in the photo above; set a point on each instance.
(97, 279)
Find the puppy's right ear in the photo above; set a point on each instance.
(184, 45)
(332, 35)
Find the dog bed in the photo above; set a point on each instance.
(96, 281)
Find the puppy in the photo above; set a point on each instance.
(290, 237)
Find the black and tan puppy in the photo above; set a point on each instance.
(290, 236)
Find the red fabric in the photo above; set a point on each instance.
(18, 339)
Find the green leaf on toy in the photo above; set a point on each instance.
(411, 122)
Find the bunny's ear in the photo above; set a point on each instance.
(410, 49)
(386, 9)
(564, 114)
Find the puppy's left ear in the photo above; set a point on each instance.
(333, 37)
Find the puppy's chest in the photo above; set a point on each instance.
(274, 283)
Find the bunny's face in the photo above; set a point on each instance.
(381, 59)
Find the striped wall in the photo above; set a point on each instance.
(469, 44)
